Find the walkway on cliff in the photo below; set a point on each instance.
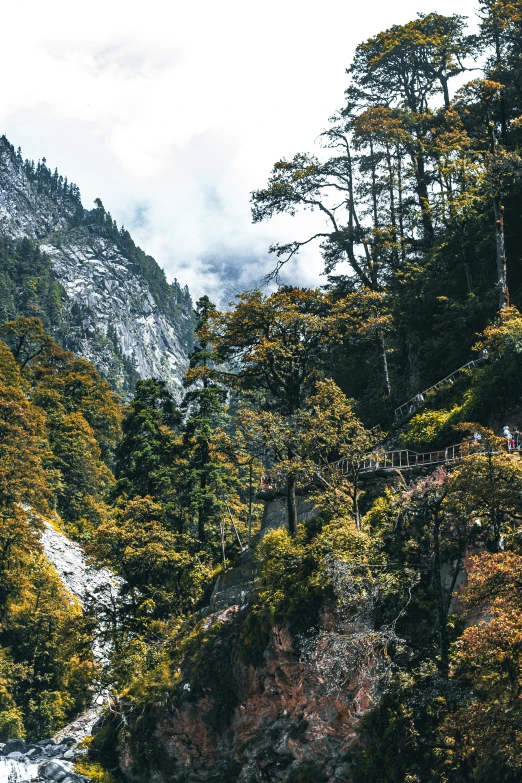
(385, 461)
(405, 459)
(417, 402)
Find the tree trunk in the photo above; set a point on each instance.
(413, 363)
(424, 199)
(400, 205)
(291, 504)
(202, 510)
(393, 217)
(445, 91)
(441, 613)
(250, 503)
(385, 366)
(355, 498)
(498, 75)
(500, 252)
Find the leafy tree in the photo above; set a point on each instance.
(27, 340)
(487, 488)
(24, 447)
(161, 576)
(407, 64)
(331, 431)
(277, 345)
(79, 418)
(482, 735)
(28, 286)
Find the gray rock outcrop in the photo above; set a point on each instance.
(120, 312)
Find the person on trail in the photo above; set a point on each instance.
(516, 438)
(509, 437)
(477, 439)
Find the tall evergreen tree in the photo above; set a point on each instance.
(210, 475)
(145, 459)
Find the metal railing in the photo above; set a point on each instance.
(399, 459)
(418, 400)
(402, 459)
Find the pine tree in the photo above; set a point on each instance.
(211, 478)
(146, 456)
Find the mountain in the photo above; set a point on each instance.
(98, 293)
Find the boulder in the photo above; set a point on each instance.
(54, 750)
(44, 742)
(53, 771)
(14, 746)
(15, 755)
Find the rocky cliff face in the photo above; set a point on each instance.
(282, 707)
(119, 311)
(277, 720)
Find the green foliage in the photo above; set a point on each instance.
(28, 286)
(24, 448)
(45, 661)
(294, 581)
(93, 771)
(150, 445)
(210, 479)
(163, 573)
(278, 342)
(431, 428)
(420, 192)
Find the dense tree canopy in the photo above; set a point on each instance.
(405, 578)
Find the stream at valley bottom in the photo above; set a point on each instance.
(14, 771)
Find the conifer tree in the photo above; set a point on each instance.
(145, 459)
(210, 476)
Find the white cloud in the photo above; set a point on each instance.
(172, 112)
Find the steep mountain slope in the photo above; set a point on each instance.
(115, 306)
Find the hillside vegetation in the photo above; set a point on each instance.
(408, 582)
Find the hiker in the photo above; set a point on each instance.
(509, 437)
(516, 436)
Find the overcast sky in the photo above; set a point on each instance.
(172, 112)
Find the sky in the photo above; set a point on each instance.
(173, 112)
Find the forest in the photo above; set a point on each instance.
(408, 580)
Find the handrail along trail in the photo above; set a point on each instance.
(418, 400)
(398, 459)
